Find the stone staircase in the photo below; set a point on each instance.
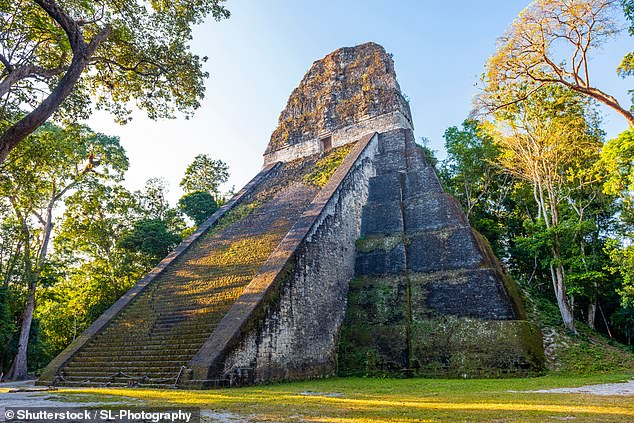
(151, 341)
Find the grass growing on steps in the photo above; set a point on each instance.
(394, 400)
(327, 165)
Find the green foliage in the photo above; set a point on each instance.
(587, 353)
(38, 176)
(151, 238)
(617, 168)
(7, 325)
(106, 239)
(584, 182)
(205, 174)
(54, 157)
(622, 263)
(623, 321)
(327, 165)
(94, 219)
(144, 61)
(97, 270)
(198, 206)
(469, 173)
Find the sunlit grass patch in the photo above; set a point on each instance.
(399, 400)
(326, 166)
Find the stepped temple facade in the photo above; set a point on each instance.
(343, 256)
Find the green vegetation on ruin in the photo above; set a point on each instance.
(364, 90)
(377, 242)
(327, 165)
(236, 214)
(587, 353)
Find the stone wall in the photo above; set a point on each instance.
(348, 86)
(339, 137)
(286, 324)
(428, 297)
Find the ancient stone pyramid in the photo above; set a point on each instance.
(342, 256)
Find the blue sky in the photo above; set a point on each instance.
(259, 55)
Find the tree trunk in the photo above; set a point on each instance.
(559, 283)
(557, 270)
(19, 368)
(592, 312)
(562, 301)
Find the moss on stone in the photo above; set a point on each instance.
(238, 213)
(465, 347)
(378, 242)
(327, 165)
(372, 342)
(376, 300)
(512, 289)
(346, 86)
(373, 338)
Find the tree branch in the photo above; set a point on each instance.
(82, 54)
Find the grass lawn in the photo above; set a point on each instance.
(395, 400)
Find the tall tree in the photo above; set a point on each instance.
(57, 56)
(97, 271)
(471, 174)
(551, 42)
(198, 206)
(617, 163)
(205, 174)
(153, 199)
(543, 140)
(37, 176)
(470, 166)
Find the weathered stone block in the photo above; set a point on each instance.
(382, 218)
(381, 261)
(469, 348)
(385, 188)
(475, 293)
(334, 95)
(392, 141)
(377, 301)
(390, 162)
(372, 350)
(443, 250)
(421, 184)
(433, 212)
